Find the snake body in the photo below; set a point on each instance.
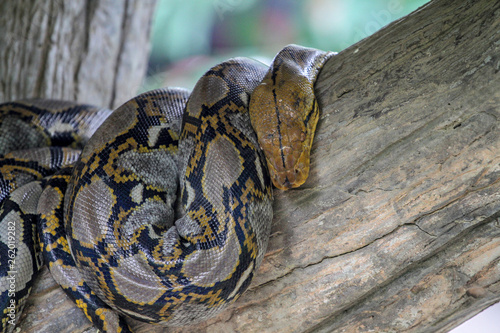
(165, 214)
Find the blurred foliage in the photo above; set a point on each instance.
(191, 36)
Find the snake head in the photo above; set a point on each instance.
(284, 116)
(284, 113)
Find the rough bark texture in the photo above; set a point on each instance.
(92, 51)
(397, 228)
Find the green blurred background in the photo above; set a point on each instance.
(191, 36)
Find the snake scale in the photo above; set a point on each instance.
(159, 210)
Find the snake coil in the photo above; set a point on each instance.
(161, 210)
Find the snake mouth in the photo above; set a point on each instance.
(289, 179)
(286, 178)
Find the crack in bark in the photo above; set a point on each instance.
(88, 11)
(118, 62)
(365, 297)
(41, 77)
(456, 238)
(469, 190)
(325, 258)
(371, 161)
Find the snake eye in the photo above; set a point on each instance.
(302, 136)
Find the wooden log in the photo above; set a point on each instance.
(397, 228)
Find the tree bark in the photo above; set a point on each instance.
(397, 228)
(92, 51)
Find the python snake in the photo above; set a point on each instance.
(160, 210)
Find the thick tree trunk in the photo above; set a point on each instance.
(92, 51)
(397, 228)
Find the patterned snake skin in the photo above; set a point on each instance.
(160, 210)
